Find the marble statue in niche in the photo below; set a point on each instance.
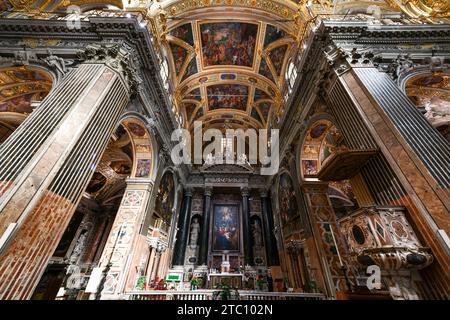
(195, 231)
(257, 235)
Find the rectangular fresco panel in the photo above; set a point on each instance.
(231, 96)
(228, 43)
(143, 168)
(226, 228)
(309, 167)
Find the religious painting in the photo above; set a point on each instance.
(183, 32)
(309, 167)
(136, 129)
(287, 199)
(265, 71)
(179, 55)
(230, 96)
(228, 43)
(191, 69)
(226, 228)
(273, 34)
(264, 108)
(318, 130)
(277, 57)
(20, 104)
(143, 167)
(165, 197)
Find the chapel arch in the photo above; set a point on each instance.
(22, 88)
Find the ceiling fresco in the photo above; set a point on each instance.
(20, 86)
(228, 73)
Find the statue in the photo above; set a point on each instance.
(56, 62)
(257, 237)
(195, 231)
(78, 248)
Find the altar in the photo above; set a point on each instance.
(234, 280)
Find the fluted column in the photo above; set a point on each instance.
(203, 256)
(183, 229)
(269, 236)
(248, 252)
(46, 164)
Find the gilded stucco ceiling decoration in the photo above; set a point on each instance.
(21, 88)
(423, 8)
(431, 94)
(53, 6)
(228, 63)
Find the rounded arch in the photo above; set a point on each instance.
(144, 146)
(318, 142)
(429, 91)
(22, 88)
(310, 152)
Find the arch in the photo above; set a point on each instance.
(320, 140)
(317, 145)
(429, 91)
(22, 88)
(144, 146)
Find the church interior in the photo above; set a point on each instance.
(354, 97)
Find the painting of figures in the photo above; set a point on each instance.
(228, 43)
(287, 200)
(191, 69)
(184, 33)
(226, 228)
(309, 167)
(179, 55)
(20, 104)
(165, 198)
(143, 168)
(273, 34)
(231, 96)
(277, 57)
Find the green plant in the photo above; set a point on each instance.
(224, 292)
(141, 282)
(194, 283)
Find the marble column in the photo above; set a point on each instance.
(183, 229)
(269, 236)
(127, 243)
(248, 252)
(328, 234)
(203, 255)
(47, 163)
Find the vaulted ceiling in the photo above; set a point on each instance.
(228, 63)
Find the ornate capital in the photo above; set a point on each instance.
(245, 191)
(188, 191)
(117, 58)
(263, 193)
(208, 191)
